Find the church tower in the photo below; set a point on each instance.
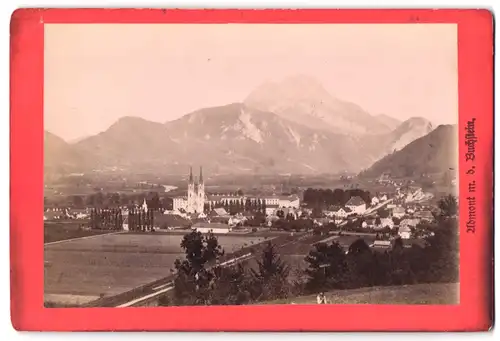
(201, 193)
(191, 193)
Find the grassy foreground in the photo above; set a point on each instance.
(433, 293)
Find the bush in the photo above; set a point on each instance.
(254, 229)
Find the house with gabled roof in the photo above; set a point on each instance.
(356, 204)
(404, 232)
(398, 212)
(338, 212)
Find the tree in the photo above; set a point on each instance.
(78, 201)
(359, 246)
(448, 206)
(193, 280)
(317, 212)
(248, 205)
(230, 286)
(271, 277)
(115, 199)
(383, 213)
(99, 199)
(154, 203)
(327, 267)
(270, 264)
(263, 206)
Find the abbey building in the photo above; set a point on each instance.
(195, 200)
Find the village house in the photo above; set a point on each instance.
(216, 228)
(52, 215)
(289, 201)
(381, 244)
(404, 232)
(270, 219)
(341, 212)
(383, 198)
(398, 212)
(236, 220)
(271, 209)
(387, 222)
(368, 223)
(77, 213)
(286, 211)
(424, 215)
(356, 205)
(409, 222)
(322, 221)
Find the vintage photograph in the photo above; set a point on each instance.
(250, 164)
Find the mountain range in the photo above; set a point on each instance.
(294, 126)
(434, 153)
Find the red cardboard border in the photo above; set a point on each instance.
(475, 61)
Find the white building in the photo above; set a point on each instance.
(195, 200)
(215, 228)
(356, 205)
(291, 201)
(375, 201)
(338, 212)
(398, 212)
(387, 222)
(404, 232)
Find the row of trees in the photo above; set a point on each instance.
(234, 206)
(103, 200)
(106, 219)
(326, 197)
(140, 220)
(329, 267)
(112, 219)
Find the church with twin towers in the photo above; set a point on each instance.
(196, 197)
(196, 193)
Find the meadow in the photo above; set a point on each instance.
(82, 270)
(62, 230)
(427, 293)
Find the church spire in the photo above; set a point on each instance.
(201, 176)
(190, 174)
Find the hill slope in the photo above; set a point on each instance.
(431, 293)
(59, 156)
(435, 152)
(233, 138)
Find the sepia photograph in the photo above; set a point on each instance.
(250, 164)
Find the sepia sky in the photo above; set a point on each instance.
(95, 74)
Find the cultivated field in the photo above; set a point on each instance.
(83, 270)
(62, 230)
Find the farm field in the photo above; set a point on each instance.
(62, 230)
(82, 270)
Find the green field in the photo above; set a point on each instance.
(433, 293)
(56, 231)
(82, 270)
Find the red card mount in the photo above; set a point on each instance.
(475, 64)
